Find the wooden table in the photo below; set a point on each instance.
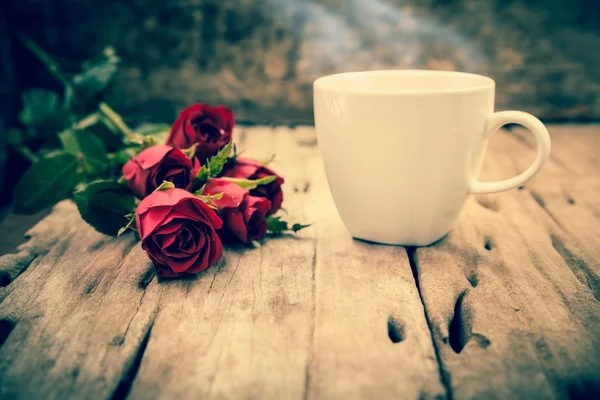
(507, 306)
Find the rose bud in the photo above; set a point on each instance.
(209, 127)
(243, 214)
(247, 168)
(178, 232)
(147, 170)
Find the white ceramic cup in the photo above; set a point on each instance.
(403, 148)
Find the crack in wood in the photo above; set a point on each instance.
(130, 373)
(129, 246)
(581, 389)
(396, 329)
(92, 285)
(460, 328)
(6, 327)
(13, 265)
(146, 278)
(472, 278)
(230, 279)
(135, 313)
(481, 340)
(538, 199)
(4, 278)
(307, 376)
(487, 244)
(445, 378)
(582, 271)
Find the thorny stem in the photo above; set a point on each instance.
(117, 121)
(28, 154)
(44, 57)
(87, 121)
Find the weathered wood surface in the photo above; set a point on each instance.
(512, 293)
(507, 306)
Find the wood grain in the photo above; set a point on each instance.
(512, 292)
(505, 307)
(293, 318)
(74, 320)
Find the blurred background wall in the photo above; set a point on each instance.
(260, 57)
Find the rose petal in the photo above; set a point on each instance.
(148, 221)
(171, 226)
(209, 213)
(165, 240)
(162, 198)
(151, 156)
(234, 221)
(242, 171)
(136, 178)
(183, 264)
(204, 252)
(216, 247)
(233, 194)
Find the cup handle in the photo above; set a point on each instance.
(535, 126)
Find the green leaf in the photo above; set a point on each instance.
(165, 185)
(87, 87)
(268, 161)
(276, 226)
(41, 111)
(215, 164)
(15, 137)
(190, 152)
(113, 121)
(131, 220)
(86, 144)
(122, 156)
(200, 191)
(208, 198)
(96, 74)
(298, 227)
(112, 141)
(103, 204)
(46, 182)
(233, 158)
(203, 173)
(250, 184)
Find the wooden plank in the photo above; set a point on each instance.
(568, 192)
(13, 228)
(511, 293)
(297, 318)
(75, 319)
(511, 299)
(316, 316)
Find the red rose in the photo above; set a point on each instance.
(243, 214)
(210, 127)
(146, 171)
(178, 232)
(247, 168)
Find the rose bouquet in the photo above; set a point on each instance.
(196, 194)
(183, 188)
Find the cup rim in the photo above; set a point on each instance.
(327, 82)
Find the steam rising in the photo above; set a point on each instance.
(350, 35)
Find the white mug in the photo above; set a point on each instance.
(403, 148)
